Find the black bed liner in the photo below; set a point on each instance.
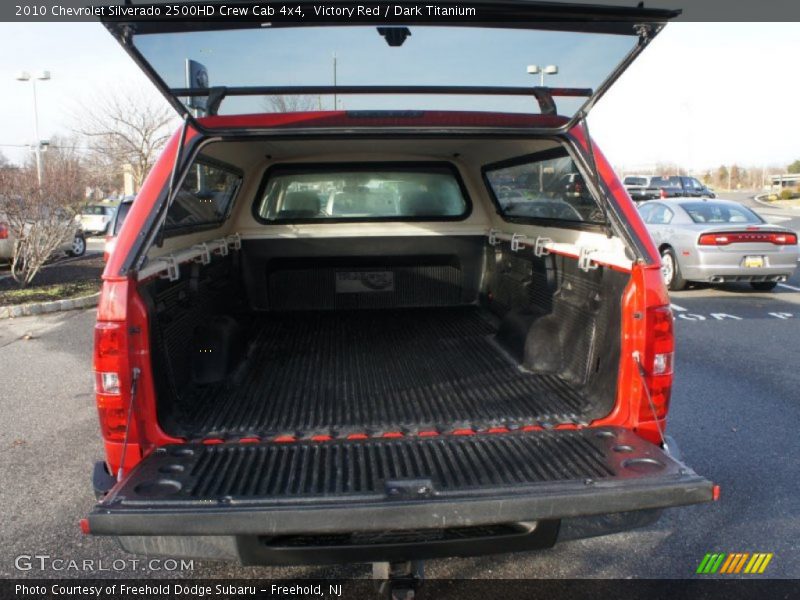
(338, 373)
(405, 483)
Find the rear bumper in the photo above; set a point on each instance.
(715, 265)
(394, 546)
(6, 249)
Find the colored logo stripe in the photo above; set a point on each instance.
(734, 563)
(729, 563)
(710, 564)
(758, 563)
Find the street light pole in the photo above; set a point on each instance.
(37, 145)
(36, 138)
(542, 71)
(334, 82)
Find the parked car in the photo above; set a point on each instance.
(719, 241)
(678, 187)
(73, 246)
(295, 364)
(115, 226)
(96, 218)
(638, 188)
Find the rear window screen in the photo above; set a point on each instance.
(205, 196)
(661, 182)
(710, 212)
(357, 194)
(548, 187)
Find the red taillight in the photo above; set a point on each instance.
(3, 231)
(663, 193)
(657, 362)
(779, 238)
(110, 365)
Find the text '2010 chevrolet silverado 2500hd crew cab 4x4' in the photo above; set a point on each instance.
(380, 335)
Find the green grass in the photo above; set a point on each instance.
(46, 293)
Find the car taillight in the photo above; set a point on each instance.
(779, 238)
(662, 193)
(656, 362)
(110, 364)
(3, 231)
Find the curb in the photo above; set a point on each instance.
(759, 197)
(38, 308)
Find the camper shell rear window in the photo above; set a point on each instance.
(331, 193)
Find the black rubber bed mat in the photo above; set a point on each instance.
(344, 373)
(213, 488)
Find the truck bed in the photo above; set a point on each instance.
(376, 372)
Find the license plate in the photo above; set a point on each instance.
(753, 262)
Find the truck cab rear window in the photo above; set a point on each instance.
(205, 196)
(542, 186)
(346, 193)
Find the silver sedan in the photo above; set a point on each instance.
(718, 241)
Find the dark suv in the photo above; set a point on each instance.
(677, 186)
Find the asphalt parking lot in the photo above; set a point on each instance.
(734, 413)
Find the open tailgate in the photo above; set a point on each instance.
(402, 483)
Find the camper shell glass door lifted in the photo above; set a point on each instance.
(391, 330)
(241, 66)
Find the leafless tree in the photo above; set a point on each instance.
(289, 104)
(41, 219)
(125, 127)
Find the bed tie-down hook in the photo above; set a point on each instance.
(205, 254)
(173, 269)
(516, 242)
(540, 247)
(236, 240)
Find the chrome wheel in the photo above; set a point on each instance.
(667, 268)
(78, 246)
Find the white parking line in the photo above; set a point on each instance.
(789, 287)
(677, 308)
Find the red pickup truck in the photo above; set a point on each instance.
(382, 335)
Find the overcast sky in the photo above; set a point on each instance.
(702, 94)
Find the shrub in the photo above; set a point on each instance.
(41, 218)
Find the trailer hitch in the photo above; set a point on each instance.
(398, 580)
